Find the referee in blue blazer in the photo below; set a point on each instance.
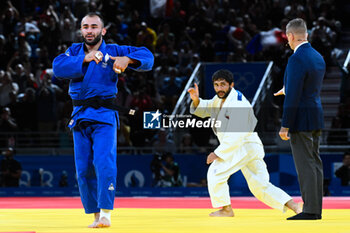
(303, 117)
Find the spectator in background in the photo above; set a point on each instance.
(187, 145)
(239, 56)
(49, 28)
(156, 169)
(24, 48)
(81, 8)
(11, 169)
(195, 60)
(6, 87)
(166, 172)
(19, 77)
(4, 52)
(163, 144)
(166, 37)
(9, 126)
(171, 89)
(185, 57)
(13, 105)
(343, 173)
(67, 26)
(206, 49)
(9, 18)
(322, 37)
(7, 122)
(237, 35)
(46, 106)
(26, 115)
(63, 179)
(147, 37)
(171, 177)
(160, 72)
(42, 60)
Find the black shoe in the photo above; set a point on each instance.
(305, 216)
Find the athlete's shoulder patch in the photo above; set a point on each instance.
(239, 96)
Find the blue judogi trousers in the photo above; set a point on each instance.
(95, 149)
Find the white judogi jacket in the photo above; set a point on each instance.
(240, 149)
(237, 123)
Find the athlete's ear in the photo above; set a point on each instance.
(232, 84)
(104, 30)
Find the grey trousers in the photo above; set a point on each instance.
(308, 164)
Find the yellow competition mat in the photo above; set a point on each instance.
(137, 220)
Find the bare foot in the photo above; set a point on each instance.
(103, 222)
(296, 207)
(226, 211)
(94, 224)
(299, 208)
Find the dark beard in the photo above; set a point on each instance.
(95, 41)
(226, 94)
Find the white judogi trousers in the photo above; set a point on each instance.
(255, 172)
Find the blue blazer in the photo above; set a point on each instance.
(302, 109)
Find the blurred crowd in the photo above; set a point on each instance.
(183, 33)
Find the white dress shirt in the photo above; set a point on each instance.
(300, 45)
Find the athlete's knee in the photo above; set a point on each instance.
(106, 168)
(215, 183)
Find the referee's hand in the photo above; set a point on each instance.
(280, 92)
(284, 134)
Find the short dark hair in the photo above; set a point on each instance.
(297, 26)
(223, 74)
(93, 14)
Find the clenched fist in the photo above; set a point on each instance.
(211, 157)
(93, 56)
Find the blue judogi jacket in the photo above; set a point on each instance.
(91, 79)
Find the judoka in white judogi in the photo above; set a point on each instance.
(240, 147)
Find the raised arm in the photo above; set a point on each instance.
(194, 94)
(199, 107)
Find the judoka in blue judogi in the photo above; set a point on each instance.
(92, 68)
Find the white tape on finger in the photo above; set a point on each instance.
(98, 56)
(117, 70)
